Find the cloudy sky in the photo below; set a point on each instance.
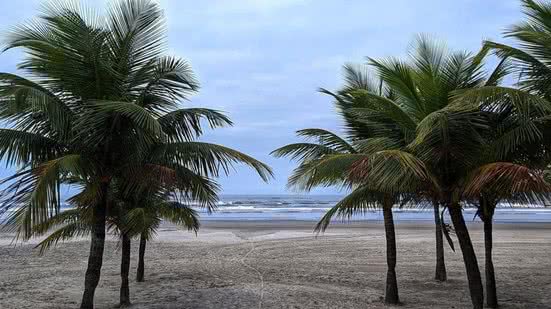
(261, 61)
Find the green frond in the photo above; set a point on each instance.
(329, 170)
(142, 220)
(36, 192)
(68, 216)
(136, 34)
(303, 151)
(378, 109)
(357, 77)
(375, 144)
(400, 77)
(210, 159)
(180, 214)
(20, 147)
(393, 172)
(360, 201)
(328, 139)
(30, 106)
(185, 124)
(101, 111)
(69, 231)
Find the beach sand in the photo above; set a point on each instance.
(280, 265)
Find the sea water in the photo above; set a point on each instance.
(313, 207)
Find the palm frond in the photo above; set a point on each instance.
(185, 124)
(360, 201)
(507, 180)
(210, 159)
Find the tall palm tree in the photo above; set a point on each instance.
(326, 162)
(523, 110)
(128, 223)
(146, 219)
(497, 182)
(331, 147)
(447, 139)
(410, 114)
(100, 95)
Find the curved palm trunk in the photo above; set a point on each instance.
(391, 294)
(125, 269)
(95, 259)
(469, 256)
(440, 273)
(141, 263)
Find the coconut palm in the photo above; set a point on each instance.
(328, 159)
(99, 97)
(127, 223)
(505, 175)
(409, 112)
(523, 111)
(146, 220)
(331, 148)
(498, 182)
(448, 140)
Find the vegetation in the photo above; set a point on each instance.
(427, 114)
(100, 104)
(99, 110)
(329, 146)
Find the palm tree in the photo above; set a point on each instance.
(447, 139)
(326, 162)
(146, 220)
(410, 113)
(331, 147)
(523, 112)
(497, 182)
(100, 96)
(125, 222)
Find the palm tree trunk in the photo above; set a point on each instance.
(491, 293)
(488, 217)
(440, 273)
(469, 256)
(125, 269)
(141, 263)
(391, 294)
(95, 259)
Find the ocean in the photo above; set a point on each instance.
(313, 207)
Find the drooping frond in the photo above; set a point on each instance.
(162, 82)
(31, 107)
(507, 181)
(328, 139)
(329, 170)
(69, 231)
(185, 124)
(209, 159)
(358, 202)
(393, 172)
(180, 214)
(303, 151)
(20, 147)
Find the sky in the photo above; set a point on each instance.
(262, 61)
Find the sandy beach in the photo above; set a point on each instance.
(280, 265)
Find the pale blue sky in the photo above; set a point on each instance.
(261, 61)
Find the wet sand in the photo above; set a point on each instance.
(280, 265)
